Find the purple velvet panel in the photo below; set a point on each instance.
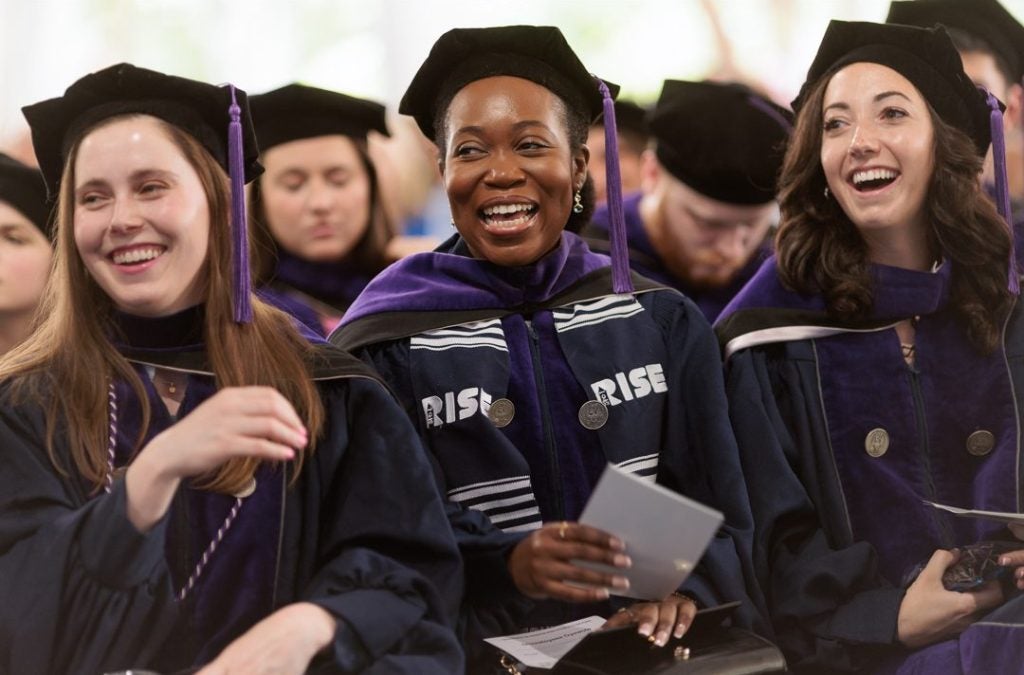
(765, 290)
(298, 310)
(577, 455)
(994, 644)
(526, 431)
(580, 458)
(427, 282)
(236, 587)
(866, 385)
(943, 657)
(336, 283)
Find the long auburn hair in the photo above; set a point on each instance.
(819, 249)
(369, 255)
(69, 359)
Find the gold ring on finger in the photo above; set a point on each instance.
(562, 527)
(683, 596)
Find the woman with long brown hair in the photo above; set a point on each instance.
(322, 230)
(872, 365)
(186, 479)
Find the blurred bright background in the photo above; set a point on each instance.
(372, 48)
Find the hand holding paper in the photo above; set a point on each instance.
(543, 566)
(664, 532)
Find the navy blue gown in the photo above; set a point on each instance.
(361, 533)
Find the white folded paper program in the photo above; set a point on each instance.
(543, 648)
(995, 516)
(665, 533)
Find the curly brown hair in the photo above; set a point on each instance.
(819, 249)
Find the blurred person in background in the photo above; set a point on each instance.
(631, 129)
(701, 222)
(25, 248)
(991, 45)
(320, 225)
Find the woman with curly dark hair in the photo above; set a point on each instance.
(871, 365)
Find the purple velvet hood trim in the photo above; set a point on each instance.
(438, 282)
(336, 282)
(898, 293)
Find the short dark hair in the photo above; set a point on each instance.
(970, 42)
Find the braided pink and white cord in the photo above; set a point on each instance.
(193, 578)
(112, 439)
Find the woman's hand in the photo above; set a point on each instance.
(1015, 558)
(930, 613)
(655, 620)
(284, 643)
(235, 422)
(541, 565)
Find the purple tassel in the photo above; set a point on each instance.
(621, 281)
(242, 287)
(1002, 183)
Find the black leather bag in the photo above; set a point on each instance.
(707, 648)
(720, 651)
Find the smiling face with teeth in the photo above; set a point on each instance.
(510, 171)
(877, 152)
(141, 217)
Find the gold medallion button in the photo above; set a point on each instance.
(876, 443)
(501, 412)
(593, 415)
(247, 489)
(980, 443)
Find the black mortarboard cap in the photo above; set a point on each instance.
(199, 108)
(984, 19)
(925, 56)
(217, 117)
(296, 111)
(22, 187)
(539, 54)
(463, 55)
(721, 139)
